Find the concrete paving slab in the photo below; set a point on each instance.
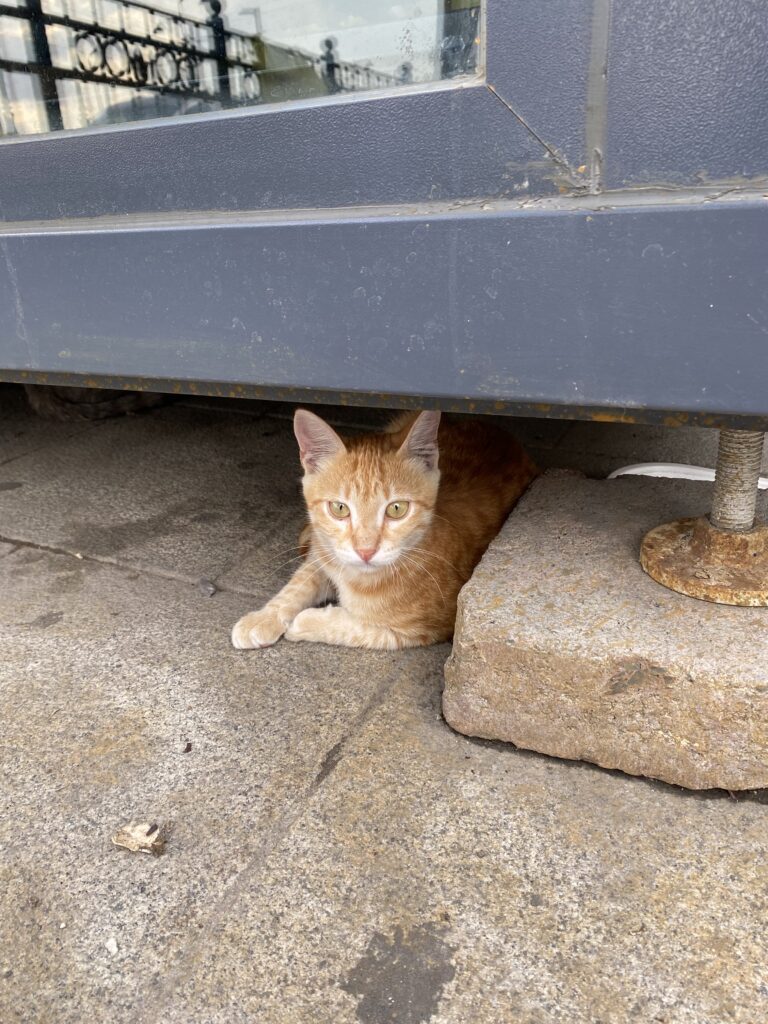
(189, 493)
(124, 700)
(565, 646)
(438, 879)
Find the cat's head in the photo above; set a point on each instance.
(372, 499)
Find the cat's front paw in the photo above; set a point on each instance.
(311, 624)
(258, 629)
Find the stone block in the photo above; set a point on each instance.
(563, 645)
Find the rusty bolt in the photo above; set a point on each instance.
(734, 501)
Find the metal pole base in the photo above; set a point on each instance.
(693, 558)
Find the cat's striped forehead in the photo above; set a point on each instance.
(370, 473)
(366, 472)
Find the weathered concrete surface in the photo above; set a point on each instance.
(107, 677)
(337, 854)
(438, 879)
(563, 645)
(185, 492)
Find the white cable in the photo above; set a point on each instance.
(674, 470)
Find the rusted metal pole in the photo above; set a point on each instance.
(739, 457)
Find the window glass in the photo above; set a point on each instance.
(76, 63)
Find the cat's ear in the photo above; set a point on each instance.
(421, 442)
(317, 441)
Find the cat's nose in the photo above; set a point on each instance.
(366, 553)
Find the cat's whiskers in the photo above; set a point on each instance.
(398, 572)
(410, 558)
(282, 565)
(423, 568)
(291, 547)
(321, 562)
(284, 551)
(434, 554)
(294, 558)
(398, 568)
(436, 515)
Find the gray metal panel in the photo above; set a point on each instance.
(377, 149)
(688, 91)
(452, 141)
(538, 61)
(583, 306)
(660, 307)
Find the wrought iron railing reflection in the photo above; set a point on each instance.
(133, 46)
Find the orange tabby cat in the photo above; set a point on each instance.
(392, 537)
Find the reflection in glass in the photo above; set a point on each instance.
(75, 63)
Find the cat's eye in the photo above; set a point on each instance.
(397, 509)
(338, 509)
